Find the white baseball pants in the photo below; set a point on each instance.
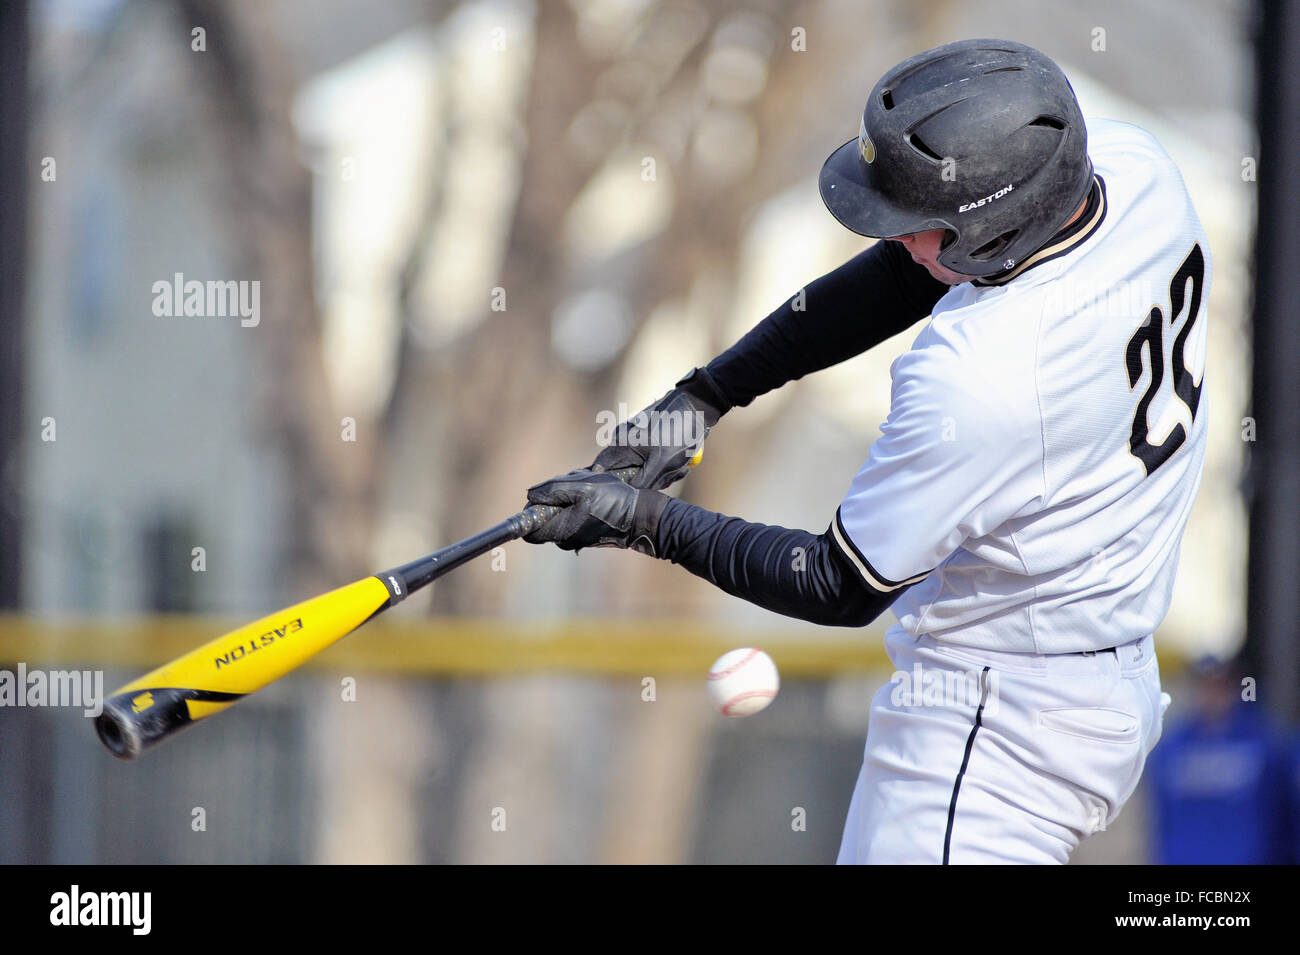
(978, 756)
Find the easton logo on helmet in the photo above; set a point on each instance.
(987, 199)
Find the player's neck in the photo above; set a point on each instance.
(1077, 212)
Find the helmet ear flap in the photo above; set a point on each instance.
(993, 248)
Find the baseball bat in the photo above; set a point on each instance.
(225, 670)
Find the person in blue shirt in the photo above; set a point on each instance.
(1293, 815)
(1220, 779)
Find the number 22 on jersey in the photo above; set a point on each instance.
(1150, 336)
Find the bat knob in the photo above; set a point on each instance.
(118, 731)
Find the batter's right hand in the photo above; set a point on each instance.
(661, 440)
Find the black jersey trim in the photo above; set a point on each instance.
(872, 577)
(1065, 241)
(965, 761)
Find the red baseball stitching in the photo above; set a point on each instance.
(754, 651)
(747, 695)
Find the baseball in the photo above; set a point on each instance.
(743, 681)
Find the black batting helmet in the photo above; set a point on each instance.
(983, 138)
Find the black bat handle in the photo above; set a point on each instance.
(535, 515)
(409, 578)
(532, 517)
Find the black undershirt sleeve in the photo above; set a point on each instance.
(875, 295)
(791, 572)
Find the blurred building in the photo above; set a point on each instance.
(148, 454)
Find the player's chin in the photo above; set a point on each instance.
(934, 268)
(945, 276)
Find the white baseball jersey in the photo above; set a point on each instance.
(1046, 434)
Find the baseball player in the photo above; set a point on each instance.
(1022, 509)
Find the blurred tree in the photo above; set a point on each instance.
(507, 405)
(250, 84)
(715, 94)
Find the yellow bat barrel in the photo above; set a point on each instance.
(225, 670)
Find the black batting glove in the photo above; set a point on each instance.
(661, 440)
(599, 510)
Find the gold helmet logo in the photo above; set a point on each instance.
(865, 145)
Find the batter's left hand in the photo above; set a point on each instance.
(599, 510)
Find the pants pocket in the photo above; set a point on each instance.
(1099, 723)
